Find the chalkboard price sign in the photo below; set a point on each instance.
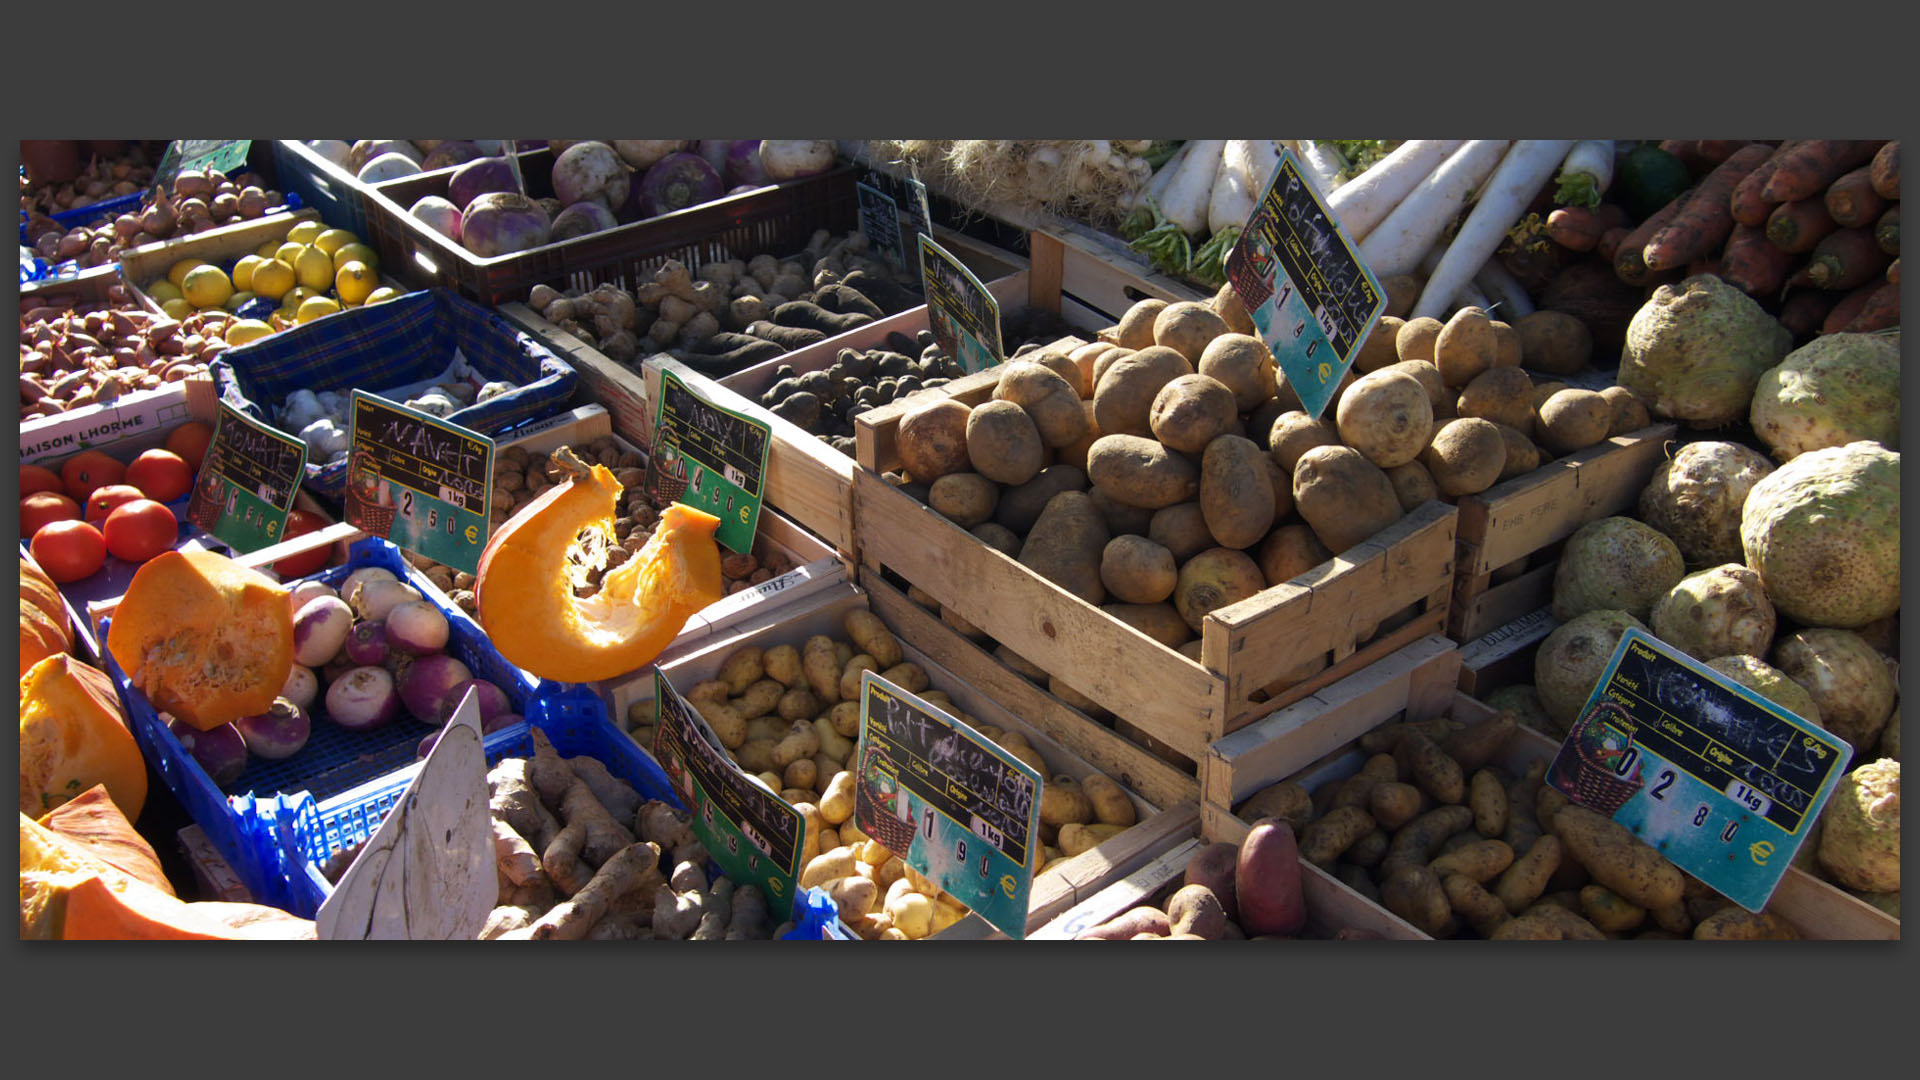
(419, 481)
(709, 458)
(247, 483)
(963, 315)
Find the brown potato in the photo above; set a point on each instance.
(1465, 456)
(1573, 420)
(1506, 345)
(1137, 570)
(1289, 551)
(1521, 455)
(1343, 496)
(1294, 433)
(1281, 481)
(967, 499)
(1554, 342)
(1123, 398)
(1048, 399)
(1161, 621)
(1227, 304)
(1381, 346)
(1105, 361)
(1190, 412)
(933, 439)
(1413, 484)
(1236, 491)
(1629, 412)
(1438, 394)
(1075, 452)
(1002, 443)
(1060, 364)
(1141, 472)
(1387, 416)
(1085, 357)
(1181, 529)
(1241, 363)
(1188, 328)
(1214, 579)
(1136, 326)
(1502, 395)
(1020, 507)
(1465, 346)
(1417, 338)
(1121, 519)
(999, 537)
(1403, 291)
(1065, 545)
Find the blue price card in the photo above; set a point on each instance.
(948, 801)
(1723, 782)
(1301, 279)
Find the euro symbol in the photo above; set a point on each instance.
(1008, 885)
(1326, 372)
(1760, 850)
(473, 534)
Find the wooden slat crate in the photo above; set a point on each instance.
(1418, 684)
(1505, 655)
(1057, 887)
(1529, 514)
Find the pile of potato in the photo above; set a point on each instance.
(790, 716)
(1458, 847)
(75, 353)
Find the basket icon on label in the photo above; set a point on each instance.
(877, 818)
(1599, 760)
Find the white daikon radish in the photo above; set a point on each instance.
(1586, 173)
(1468, 295)
(1526, 167)
(1245, 167)
(1184, 202)
(1396, 244)
(1323, 165)
(1365, 201)
(1501, 286)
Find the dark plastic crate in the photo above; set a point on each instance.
(774, 220)
(334, 760)
(320, 184)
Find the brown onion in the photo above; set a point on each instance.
(192, 184)
(225, 206)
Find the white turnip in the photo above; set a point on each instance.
(373, 599)
(440, 215)
(302, 686)
(790, 159)
(334, 150)
(320, 629)
(387, 167)
(363, 699)
(591, 172)
(416, 628)
(642, 153)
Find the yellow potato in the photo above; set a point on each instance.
(828, 866)
(873, 637)
(1110, 803)
(836, 802)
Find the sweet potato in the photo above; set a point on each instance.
(1267, 880)
(1123, 927)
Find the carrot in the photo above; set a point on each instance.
(1752, 263)
(1575, 228)
(1797, 226)
(1846, 259)
(1852, 201)
(1848, 309)
(1688, 151)
(1881, 311)
(1805, 310)
(1814, 164)
(1747, 205)
(1886, 171)
(1886, 231)
(1609, 246)
(1699, 229)
(1628, 264)
(1715, 151)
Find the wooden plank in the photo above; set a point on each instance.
(1143, 886)
(1064, 884)
(1494, 606)
(876, 431)
(1043, 281)
(1101, 272)
(602, 380)
(1504, 655)
(1523, 515)
(211, 871)
(1100, 746)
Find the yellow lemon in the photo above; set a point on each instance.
(239, 300)
(333, 240)
(314, 268)
(271, 279)
(206, 287)
(294, 298)
(289, 252)
(270, 249)
(243, 271)
(383, 293)
(177, 308)
(163, 291)
(177, 273)
(315, 306)
(241, 331)
(355, 252)
(354, 283)
(305, 232)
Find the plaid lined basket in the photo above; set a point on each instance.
(405, 340)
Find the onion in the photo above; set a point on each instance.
(416, 628)
(440, 215)
(479, 176)
(582, 218)
(367, 642)
(591, 171)
(450, 153)
(677, 182)
(501, 223)
(302, 686)
(427, 680)
(221, 752)
(492, 700)
(279, 733)
(373, 599)
(363, 699)
(743, 164)
(320, 629)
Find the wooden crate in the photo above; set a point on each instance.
(146, 265)
(1505, 655)
(1418, 684)
(1093, 275)
(1060, 885)
(1522, 518)
(211, 871)
(1246, 647)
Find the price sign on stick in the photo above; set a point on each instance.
(1301, 279)
(753, 834)
(1725, 783)
(964, 316)
(419, 482)
(880, 221)
(709, 458)
(948, 801)
(247, 483)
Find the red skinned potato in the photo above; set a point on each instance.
(1128, 924)
(1215, 866)
(1266, 880)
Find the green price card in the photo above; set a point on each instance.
(247, 482)
(709, 458)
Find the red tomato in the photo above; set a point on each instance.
(90, 469)
(162, 474)
(307, 563)
(42, 508)
(190, 440)
(40, 478)
(69, 550)
(104, 499)
(137, 531)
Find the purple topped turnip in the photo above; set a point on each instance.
(743, 164)
(302, 686)
(449, 153)
(478, 177)
(677, 182)
(416, 628)
(367, 643)
(305, 591)
(501, 223)
(440, 215)
(790, 159)
(363, 699)
(488, 726)
(591, 172)
(374, 598)
(492, 700)
(320, 629)
(279, 733)
(427, 680)
(581, 219)
(221, 752)
(714, 151)
(642, 153)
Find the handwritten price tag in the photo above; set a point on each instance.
(419, 482)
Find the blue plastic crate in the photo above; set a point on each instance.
(334, 760)
(302, 172)
(403, 341)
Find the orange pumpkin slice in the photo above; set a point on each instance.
(73, 736)
(524, 592)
